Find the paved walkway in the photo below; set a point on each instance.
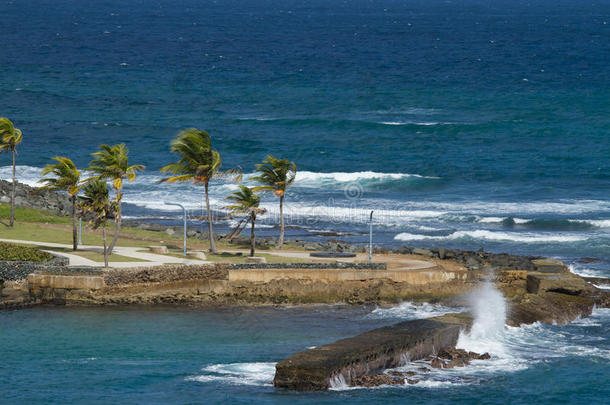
(401, 264)
(151, 259)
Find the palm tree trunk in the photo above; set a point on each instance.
(12, 220)
(280, 241)
(211, 230)
(252, 237)
(238, 229)
(74, 231)
(117, 221)
(105, 248)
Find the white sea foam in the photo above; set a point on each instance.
(495, 236)
(147, 192)
(487, 332)
(493, 220)
(584, 271)
(416, 123)
(305, 178)
(410, 310)
(237, 373)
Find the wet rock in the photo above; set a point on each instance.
(376, 380)
(589, 260)
(437, 363)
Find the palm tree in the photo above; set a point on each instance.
(96, 202)
(11, 137)
(198, 163)
(246, 202)
(276, 175)
(111, 163)
(66, 177)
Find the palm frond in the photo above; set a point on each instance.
(111, 163)
(66, 176)
(246, 201)
(9, 135)
(275, 174)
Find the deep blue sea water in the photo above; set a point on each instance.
(463, 124)
(170, 355)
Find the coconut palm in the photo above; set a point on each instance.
(276, 175)
(198, 163)
(96, 203)
(66, 177)
(10, 137)
(246, 202)
(111, 163)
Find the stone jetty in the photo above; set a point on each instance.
(347, 360)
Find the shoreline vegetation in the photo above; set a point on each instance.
(198, 162)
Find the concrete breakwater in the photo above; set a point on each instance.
(347, 360)
(223, 284)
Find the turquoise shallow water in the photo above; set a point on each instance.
(170, 355)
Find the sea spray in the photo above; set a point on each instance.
(487, 334)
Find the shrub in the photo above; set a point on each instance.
(11, 252)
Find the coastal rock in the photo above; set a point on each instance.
(377, 380)
(564, 283)
(38, 198)
(353, 358)
(422, 252)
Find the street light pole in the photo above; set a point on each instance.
(80, 231)
(371, 239)
(184, 223)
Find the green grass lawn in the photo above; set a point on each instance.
(31, 215)
(42, 226)
(95, 256)
(230, 257)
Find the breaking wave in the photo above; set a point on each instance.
(237, 374)
(494, 236)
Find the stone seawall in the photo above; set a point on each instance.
(414, 277)
(19, 270)
(342, 362)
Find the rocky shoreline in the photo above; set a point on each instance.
(36, 198)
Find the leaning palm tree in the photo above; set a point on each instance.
(96, 204)
(10, 137)
(246, 202)
(66, 177)
(111, 163)
(198, 163)
(276, 175)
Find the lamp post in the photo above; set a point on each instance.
(80, 231)
(371, 239)
(184, 224)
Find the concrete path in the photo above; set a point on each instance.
(151, 259)
(402, 264)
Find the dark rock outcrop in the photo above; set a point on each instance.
(38, 198)
(348, 360)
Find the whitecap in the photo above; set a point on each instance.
(495, 236)
(410, 310)
(237, 373)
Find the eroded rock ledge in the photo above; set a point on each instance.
(346, 361)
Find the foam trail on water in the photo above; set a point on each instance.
(488, 329)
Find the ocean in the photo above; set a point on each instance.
(464, 124)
